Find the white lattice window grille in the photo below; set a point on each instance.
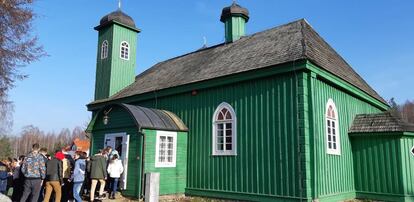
(166, 149)
(333, 145)
(104, 49)
(124, 52)
(224, 130)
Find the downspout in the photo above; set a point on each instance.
(142, 164)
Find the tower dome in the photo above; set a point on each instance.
(119, 17)
(234, 10)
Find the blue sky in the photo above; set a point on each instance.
(374, 36)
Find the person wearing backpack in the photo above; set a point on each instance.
(34, 171)
(115, 170)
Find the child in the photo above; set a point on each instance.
(115, 170)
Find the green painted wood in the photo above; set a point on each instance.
(267, 152)
(119, 122)
(173, 179)
(345, 86)
(407, 160)
(333, 174)
(235, 28)
(114, 73)
(383, 166)
(376, 164)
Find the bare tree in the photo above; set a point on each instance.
(18, 47)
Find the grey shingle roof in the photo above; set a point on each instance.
(294, 41)
(382, 122)
(116, 16)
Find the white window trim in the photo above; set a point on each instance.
(157, 148)
(120, 50)
(232, 152)
(336, 151)
(103, 53)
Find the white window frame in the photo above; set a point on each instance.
(104, 49)
(233, 121)
(157, 149)
(332, 151)
(127, 50)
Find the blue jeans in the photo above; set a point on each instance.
(113, 185)
(76, 191)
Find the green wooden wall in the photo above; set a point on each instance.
(384, 166)
(235, 28)
(113, 73)
(333, 175)
(378, 160)
(267, 163)
(407, 167)
(120, 121)
(173, 179)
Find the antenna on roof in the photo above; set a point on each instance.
(119, 4)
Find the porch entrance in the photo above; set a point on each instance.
(120, 143)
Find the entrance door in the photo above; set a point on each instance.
(120, 142)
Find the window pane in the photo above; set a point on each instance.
(228, 116)
(220, 140)
(220, 147)
(329, 145)
(228, 146)
(220, 126)
(224, 110)
(228, 125)
(329, 138)
(333, 131)
(228, 139)
(170, 159)
(219, 133)
(333, 124)
(329, 130)
(170, 152)
(329, 123)
(228, 133)
(220, 116)
(334, 138)
(334, 145)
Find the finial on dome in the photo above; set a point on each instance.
(119, 4)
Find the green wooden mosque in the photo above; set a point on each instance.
(273, 116)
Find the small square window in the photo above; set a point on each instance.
(166, 149)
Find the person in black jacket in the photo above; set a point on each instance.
(54, 177)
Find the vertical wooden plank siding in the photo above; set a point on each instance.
(120, 121)
(407, 143)
(334, 174)
(172, 179)
(378, 165)
(103, 67)
(266, 164)
(123, 71)
(113, 73)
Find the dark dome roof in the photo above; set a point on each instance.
(234, 10)
(118, 16)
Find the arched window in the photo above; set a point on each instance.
(224, 130)
(104, 49)
(333, 145)
(124, 52)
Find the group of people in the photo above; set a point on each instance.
(62, 176)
